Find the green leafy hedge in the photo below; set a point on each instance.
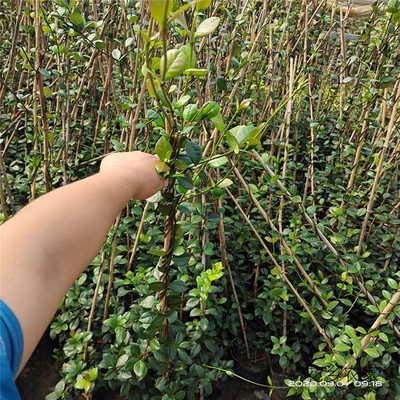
(277, 237)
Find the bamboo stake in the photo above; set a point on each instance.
(111, 267)
(12, 51)
(7, 185)
(96, 293)
(225, 263)
(42, 98)
(66, 117)
(3, 203)
(137, 239)
(390, 130)
(368, 338)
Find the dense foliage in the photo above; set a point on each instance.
(278, 236)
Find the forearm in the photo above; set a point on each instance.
(51, 241)
(46, 245)
(70, 223)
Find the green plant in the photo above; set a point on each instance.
(278, 233)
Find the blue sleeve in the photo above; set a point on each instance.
(11, 349)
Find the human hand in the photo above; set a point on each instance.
(138, 169)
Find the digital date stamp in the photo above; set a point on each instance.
(332, 378)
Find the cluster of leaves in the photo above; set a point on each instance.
(202, 84)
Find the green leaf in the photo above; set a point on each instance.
(342, 347)
(156, 286)
(296, 199)
(108, 360)
(190, 56)
(283, 361)
(53, 396)
(386, 81)
(232, 142)
(83, 384)
(140, 369)
(384, 337)
(178, 286)
(193, 151)
(187, 208)
(100, 44)
(202, 5)
(162, 167)
(157, 89)
(332, 305)
(122, 360)
(125, 388)
(218, 122)
(241, 132)
(221, 83)
(350, 331)
(163, 149)
(196, 72)
(274, 179)
(45, 73)
(76, 17)
(204, 324)
(116, 54)
(185, 181)
(182, 102)
(93, 374)
(47, 92)
(225, 183)
(372, 352)
(305, 395)
(156, 252)
(156, 198)
(245, 104)
(217, 162)
(311, 210)
(160, 9)
(209, 110)
(190, 112)
(179, 11)
(392, 283)
(340, 359)
(148, 302)
(207, 27)
(176, 64)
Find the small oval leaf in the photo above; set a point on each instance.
(140, 369)
(207, 27)
(193, 151)
(176, 64)
(225, 183)
(160, 9)
(163, 149)
(190, 112)
(201, 5)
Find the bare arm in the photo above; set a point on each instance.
(46, 245)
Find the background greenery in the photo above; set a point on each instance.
(276, 243)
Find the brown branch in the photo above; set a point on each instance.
(96, 292)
